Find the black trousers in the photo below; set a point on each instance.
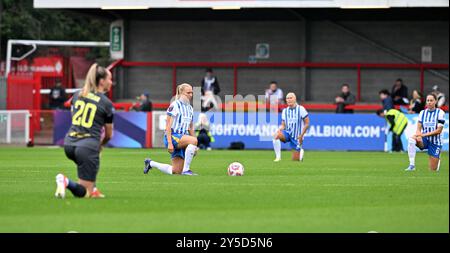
(203, 139)
(397, 145)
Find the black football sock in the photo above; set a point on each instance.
(77, 189)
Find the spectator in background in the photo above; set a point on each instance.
(210, 83)
(210, 88)
(204, 137)
(274, 95)
(439, 95)
(386, 100)
(144, 104)
(416, 103)
(208, 101)
(344, 99)
(57, 96)
(399, 93)
(397, 124)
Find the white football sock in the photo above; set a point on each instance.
(277, 148)
(302, 153)
(412, 151)
(188, 155)
(439, 165)
(165, 168)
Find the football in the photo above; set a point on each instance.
(235, 169)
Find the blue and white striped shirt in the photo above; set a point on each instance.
(182, 114)
(293, 118)
(430, 121)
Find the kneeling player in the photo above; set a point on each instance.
(179, 136)
(428, 135)
(294, 124)
(91, 111)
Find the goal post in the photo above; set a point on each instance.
(35, 43)
(14, 126)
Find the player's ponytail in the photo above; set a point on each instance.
(93, 77)
(177, 96)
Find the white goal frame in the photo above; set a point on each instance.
(35, 43)
(27, 116)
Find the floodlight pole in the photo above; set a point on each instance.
(34, 43)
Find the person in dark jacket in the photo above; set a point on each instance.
(202, 128)
(416, 105)
(144, 104)
(57, 97)
(399, 93)
(210, 88)
(386, 100)
(210, 83)
(344, 99)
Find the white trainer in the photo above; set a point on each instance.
(277, 159)
(60, 186)
(411, 168)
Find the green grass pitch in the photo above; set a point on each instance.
(328, 192)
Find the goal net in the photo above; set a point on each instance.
(14, 127)
(42, 76)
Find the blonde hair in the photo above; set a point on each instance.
(180, 89)
(93, 77)
(293, 94)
